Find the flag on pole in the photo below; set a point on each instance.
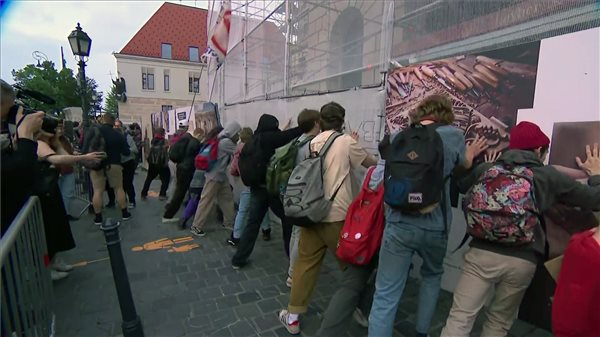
(218, 39)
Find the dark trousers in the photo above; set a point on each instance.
(259, 205)
(184, 178)
(356, 289)
(128, 175)
(153, 172)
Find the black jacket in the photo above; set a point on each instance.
(116, 144)
(550, 187)
(190, 147)
(18, 168)
(271, 137)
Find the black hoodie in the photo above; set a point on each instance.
(271, 137)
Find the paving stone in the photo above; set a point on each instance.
(251, 285)
(269, 306)
(247, 311)
(230, 289)
(203, 307)
(138, 276)
(227, 302)
(267, 322)
(248, 297)
(183, 278)
(223, 318)
(179, 269)
(242, 329)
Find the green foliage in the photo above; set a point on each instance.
(62, 86)
(112, 105)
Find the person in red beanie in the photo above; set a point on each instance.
(576, 305)
(507, 269)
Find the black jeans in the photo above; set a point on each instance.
(259, 204)
(128, 175)
(165, 177)
(356, 289)
(184, 178)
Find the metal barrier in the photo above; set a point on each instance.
(26, 285)
(83, 187)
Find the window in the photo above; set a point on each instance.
(166, 81)
(194, 54)
(165, 108)
(194, 82)
(147, 78)
(165, 49)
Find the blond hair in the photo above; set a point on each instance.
(435, 107)
(245, 134)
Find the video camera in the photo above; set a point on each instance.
(49, 124)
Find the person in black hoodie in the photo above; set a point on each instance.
(183, 152)
(267, 137)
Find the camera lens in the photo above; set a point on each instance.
(49, 124)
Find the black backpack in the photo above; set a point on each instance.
(95, 143)
(158, 153)
(414, 169)
(252, 164)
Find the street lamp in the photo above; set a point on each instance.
(80, 45)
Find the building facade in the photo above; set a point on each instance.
(161, 64)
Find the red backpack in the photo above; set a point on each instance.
(208, 155)
(361, 236)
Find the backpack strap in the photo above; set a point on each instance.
(328, 143)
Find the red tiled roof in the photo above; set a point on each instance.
(181, 26)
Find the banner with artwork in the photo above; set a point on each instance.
(486, 89)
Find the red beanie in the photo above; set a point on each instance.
(527, 136)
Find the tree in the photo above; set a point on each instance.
(62, 86)
(112, 104)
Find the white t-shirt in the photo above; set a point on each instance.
(344, 155)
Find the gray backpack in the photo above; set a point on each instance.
(304, 199)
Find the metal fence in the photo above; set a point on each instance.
(26, 285)
(83, 188)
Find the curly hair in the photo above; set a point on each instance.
(435, 107)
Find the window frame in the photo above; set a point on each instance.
(197, 59)
(162, 50)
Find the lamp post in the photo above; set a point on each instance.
(81, 44)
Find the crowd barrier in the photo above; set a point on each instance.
(26, 285)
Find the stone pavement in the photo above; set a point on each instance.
(196, 292)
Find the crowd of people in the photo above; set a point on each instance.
(306, 175)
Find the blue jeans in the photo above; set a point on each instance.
(242, 215)
(66, 183)
(400, 242)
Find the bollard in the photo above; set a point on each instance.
(132, 325)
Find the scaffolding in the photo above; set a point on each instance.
(300, 47)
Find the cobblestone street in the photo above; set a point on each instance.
(196, 292)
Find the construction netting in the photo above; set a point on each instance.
(303, 47)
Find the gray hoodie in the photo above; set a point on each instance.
(226, 150)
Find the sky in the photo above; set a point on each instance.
(28, 26)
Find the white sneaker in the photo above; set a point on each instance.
(61, 266)
(294, 327)
(170, 220)
(288, 282)
(57, 275)
(360, 318)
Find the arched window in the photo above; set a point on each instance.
(346, 49)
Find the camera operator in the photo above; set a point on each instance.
(18, 154)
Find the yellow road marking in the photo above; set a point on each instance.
(169, 244)
(85, 263)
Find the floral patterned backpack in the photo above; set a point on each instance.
(501, 207)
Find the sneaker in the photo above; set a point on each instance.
(360, 318)
(162, 197)
(267, 234)
(288, 282)
(197, 232)
(294, 327)
(61, 266)
(126, 215)
(98, 220)
(170, 220)
(233, 241)
(57, 275)
(238, 266)
(131, 205)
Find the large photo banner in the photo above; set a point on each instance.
(486, 89)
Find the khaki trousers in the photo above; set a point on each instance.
(313, 243)
(213, 192)
(483, 272)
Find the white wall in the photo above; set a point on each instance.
(130, 68)
(568, 81)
